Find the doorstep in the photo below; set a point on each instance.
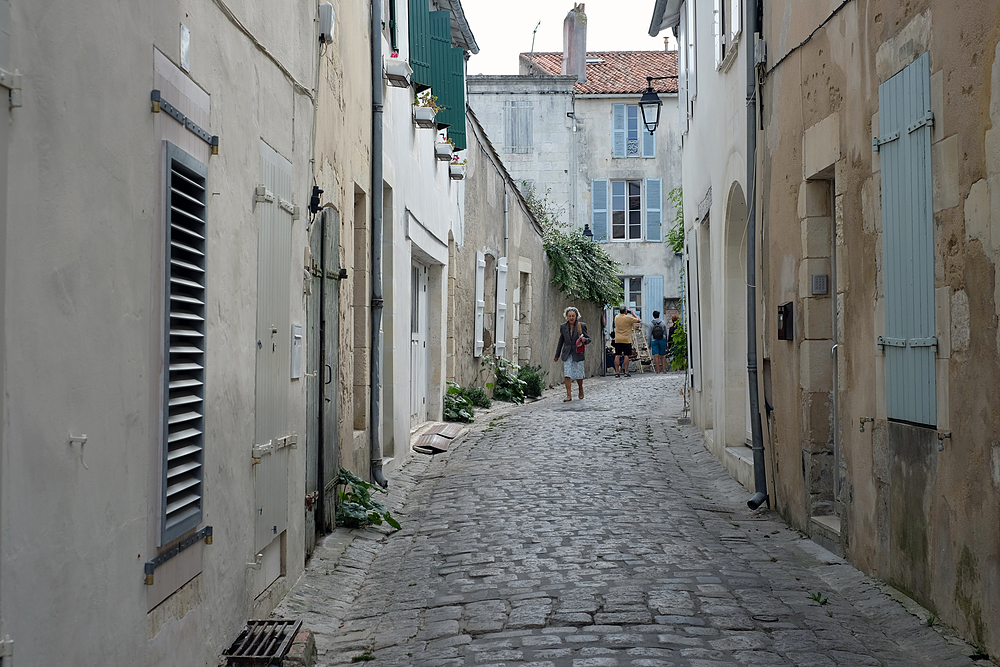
(825, 531)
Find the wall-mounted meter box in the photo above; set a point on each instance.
(296, 351)
(785, 328)
(326, 19)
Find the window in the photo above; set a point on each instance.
(626, 210)
(629, 136)
(727, 25)
(184, 342)
(517, 126)
(632, 288)
(626, 207)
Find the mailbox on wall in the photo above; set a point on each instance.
(785, 328)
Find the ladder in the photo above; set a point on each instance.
(640, 348)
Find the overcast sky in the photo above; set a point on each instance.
(503, 29)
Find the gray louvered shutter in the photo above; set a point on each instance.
(618, 130)
(478, 316)
(908, 244)
(599, 209)
(183, 464)
(654, 209)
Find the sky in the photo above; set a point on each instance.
(503, 29)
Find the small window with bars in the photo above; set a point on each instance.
(182, 476)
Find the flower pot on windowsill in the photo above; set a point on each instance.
(443, 151)
(456, 171)
(397, 72)
(424, 117)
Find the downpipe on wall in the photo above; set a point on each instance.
(759, 472)
(374, 423)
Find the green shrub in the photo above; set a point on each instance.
(356, 507)
(506, 385)
(457, 406)
(534, 380)
(678, 348)
(478, 396)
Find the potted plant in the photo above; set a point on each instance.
(425, 107)
(443, 149)
(397, 71)
(456, 169)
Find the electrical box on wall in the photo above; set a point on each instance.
(296, 351)
(326, 20)
(785, 328)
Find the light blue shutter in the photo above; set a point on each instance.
(648, 141)
(908, 244)
(654, 296)
(618, 130)
(654, 209)
(599, 209)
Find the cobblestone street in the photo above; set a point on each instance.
(594, 533)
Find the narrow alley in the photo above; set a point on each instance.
(595, 533)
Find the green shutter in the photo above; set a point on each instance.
(420, 46)
(448, 78)
(455, 113)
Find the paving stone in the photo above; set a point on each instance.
(554, 535)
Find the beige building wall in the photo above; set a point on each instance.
(84, 271)
(917, 506)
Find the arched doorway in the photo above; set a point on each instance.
(735, 406)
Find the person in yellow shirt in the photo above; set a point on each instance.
(624, 322)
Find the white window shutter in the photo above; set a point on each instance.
(682, 74)
(654, 210)
(692, 54)
(618, 142)
(480, 302)
(735, 21)
(500, 347)
(599, 209)
(719, 31)
(692, 311)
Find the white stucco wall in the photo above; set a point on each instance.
(426, 205)
(84, 271)
(714, 162)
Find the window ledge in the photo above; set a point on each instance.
(730, 57)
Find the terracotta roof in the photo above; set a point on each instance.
(618, 72)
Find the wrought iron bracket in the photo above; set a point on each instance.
(151, 565)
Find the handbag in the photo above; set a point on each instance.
(581, 343)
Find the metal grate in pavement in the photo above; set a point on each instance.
(263, 642)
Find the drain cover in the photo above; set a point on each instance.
(263, 642)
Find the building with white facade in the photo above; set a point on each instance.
(577, 139)
(712, 127)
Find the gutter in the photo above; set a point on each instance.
(375, 422)
(759, 471)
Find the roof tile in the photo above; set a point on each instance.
(617, 72)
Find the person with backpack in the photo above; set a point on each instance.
(658, 342)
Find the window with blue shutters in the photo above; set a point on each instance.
(629, 137)
(909, 342)
(599, 209)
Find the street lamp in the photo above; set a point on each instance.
(587, 233)
(650, 104)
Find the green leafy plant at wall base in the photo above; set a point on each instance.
(355, 507)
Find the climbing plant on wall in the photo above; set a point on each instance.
(580, 268)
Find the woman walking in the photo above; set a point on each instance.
(573, 338)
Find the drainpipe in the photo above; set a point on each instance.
(759, 472)
(375, 423)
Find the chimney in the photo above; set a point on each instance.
(574, 60)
